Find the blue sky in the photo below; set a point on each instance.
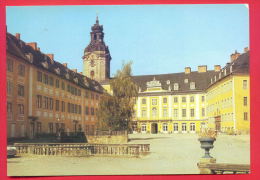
(158, 39)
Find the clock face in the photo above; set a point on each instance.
(92, 63)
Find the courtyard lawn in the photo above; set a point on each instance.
(170, 154)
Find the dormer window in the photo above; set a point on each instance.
(176, 87)
(29, 56)
(225, 72)
(67, 76)
(215, 78)
(76, 80)
(219, 75)
(230, 69)
(45, 64)
(168, 82)
(57, 70)
(192, 85)
(186, 80)
(86, 82)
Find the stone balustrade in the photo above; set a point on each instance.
(81, 149)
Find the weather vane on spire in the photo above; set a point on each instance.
(97, 22)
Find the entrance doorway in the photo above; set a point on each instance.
(218, 123)
(154, 129)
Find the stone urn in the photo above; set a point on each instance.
(207, 144)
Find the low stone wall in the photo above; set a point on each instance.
(107, 139)
(82, 149)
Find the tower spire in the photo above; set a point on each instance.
(97, 21)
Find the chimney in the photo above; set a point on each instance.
(74, 70)
(51, 56)
(18, 35)
(202, 68)
(33, 45)
(65, 64)
(217, 68)
(246, 49)
(187, 70)
(234, 56)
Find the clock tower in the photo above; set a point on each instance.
(96, 59)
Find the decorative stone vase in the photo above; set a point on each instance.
(206, 144)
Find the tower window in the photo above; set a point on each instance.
(95, 37)
(92, 74)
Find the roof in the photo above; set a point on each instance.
(167, 81)
(42, 61)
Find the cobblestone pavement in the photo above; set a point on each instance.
(170, 154)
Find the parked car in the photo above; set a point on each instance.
(11, 151)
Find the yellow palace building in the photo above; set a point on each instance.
(180, 102)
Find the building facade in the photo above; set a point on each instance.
(188, 101)
(44, 96)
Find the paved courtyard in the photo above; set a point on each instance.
(170, 154)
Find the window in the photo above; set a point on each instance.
(186, 80)
(92, 111)
(202, 98)
(51, 103)
(92, 74)
(175, 113)
(244, 84)
(86, 94)
(20, 109)
(183, 99)
(45, 79)
(143, 128)
(154, 101)
(57, 83)
(164, 100)
(10, 65)
(183, 112)
(154, 112)
(79, 93)
(57, 105)
(51, 81)
(45, 102)
(183, 127)
(79, 109)
(203, 112)
(62, 106)
(245, 101)
(165, 113)
(192, 99)
(86, 110)
(175, 99)
(21, 70)
(9, 107)
(192, 85)
(192, 127)
(20, 90)
(92, 96)
(143, 101)
(39, 76)
(39, 101)
(39, 127)
(245, 116)
(62, 85)
(165, 127)
(68, 107)
(191, 112)
(51, 128)
(176, 87)
(175, 127)
(9, 87)
(143, 113)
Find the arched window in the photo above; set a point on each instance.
(154, 112)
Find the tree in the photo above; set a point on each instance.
(116, 111)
